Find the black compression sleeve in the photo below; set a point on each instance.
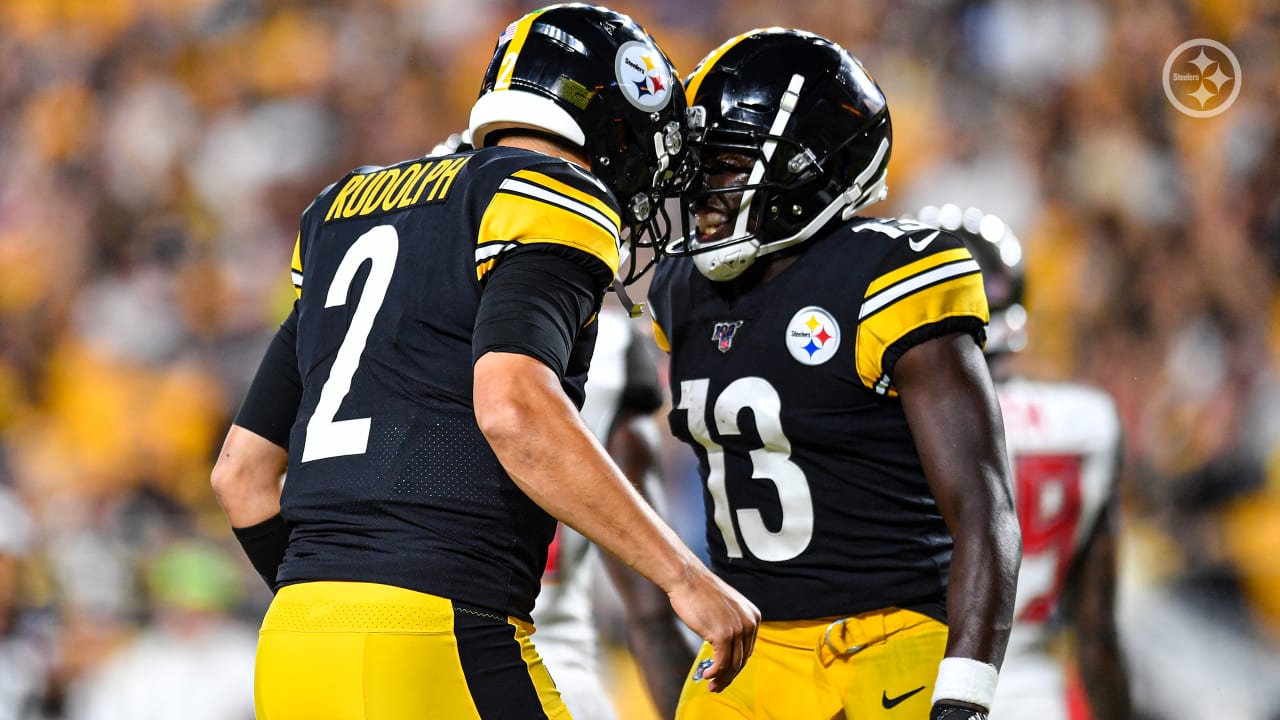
(535, 302)
(272, 402)
(265, 544)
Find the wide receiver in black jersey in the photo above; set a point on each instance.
(827, 369)
(427, 384)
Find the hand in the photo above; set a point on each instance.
(943, 710)
(721, 616)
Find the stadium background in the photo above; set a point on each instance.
(155, 155)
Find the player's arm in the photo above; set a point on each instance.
(653, 630)
(954, 416)
(1089, 599)
(530, 313)
(254, 456)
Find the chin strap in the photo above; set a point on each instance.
(634, 309)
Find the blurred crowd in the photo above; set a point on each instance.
(155, 156)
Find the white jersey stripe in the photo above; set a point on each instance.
(551, 197)
(898, 290)
(488, 250)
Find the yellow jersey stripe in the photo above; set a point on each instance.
(538, 192)
(873, 303)
(919, 266)
(695, 80)
(519, 219)
(571, 192)
(960, 296)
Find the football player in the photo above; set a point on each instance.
(1064, 443)
(827, 370)
(426, 389)
(622, 393)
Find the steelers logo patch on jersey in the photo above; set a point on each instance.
(813, 336)
(643, 76)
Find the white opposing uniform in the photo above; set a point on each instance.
(565, 636)
(1064, 442)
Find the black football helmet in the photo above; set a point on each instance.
(595, 78)
(999, 255)
(813, 123)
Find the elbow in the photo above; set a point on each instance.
(510, 395)
(228, 480)
(499, 423)
(246, 477)
(501, 414)
(239, 482)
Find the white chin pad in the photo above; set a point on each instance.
(728, 262)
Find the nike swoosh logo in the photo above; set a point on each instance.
(919, 245)
(890, 703)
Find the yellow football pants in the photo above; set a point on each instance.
(363, 651)
(878, 665)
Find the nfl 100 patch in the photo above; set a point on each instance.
(722, 334)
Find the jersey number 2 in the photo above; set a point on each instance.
(325, 436)
(771, 462)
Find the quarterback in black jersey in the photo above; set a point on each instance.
(827, 370)
(424, 394)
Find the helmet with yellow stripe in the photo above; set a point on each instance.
(798, 132)
(594, 78)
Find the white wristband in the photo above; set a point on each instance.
(965, 680)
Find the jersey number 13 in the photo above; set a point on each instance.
(771, 462)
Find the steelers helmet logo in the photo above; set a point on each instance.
(813, 336)
(643, 75)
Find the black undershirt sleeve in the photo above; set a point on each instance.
(271, 404)
(535, 303)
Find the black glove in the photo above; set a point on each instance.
(945, 711)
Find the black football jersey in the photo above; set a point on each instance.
(816, 501)
(390, 479)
